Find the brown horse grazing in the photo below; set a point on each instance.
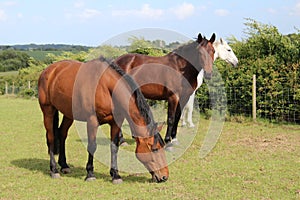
(172, 77)
(98, 92)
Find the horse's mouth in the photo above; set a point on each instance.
(207, 75)
(156, 179)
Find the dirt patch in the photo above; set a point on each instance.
(279, 142)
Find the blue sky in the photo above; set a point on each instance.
(91, 22)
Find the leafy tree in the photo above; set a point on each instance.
(11, 60)
(139, 43)
(106, 51)
(274, 59)
(67, 55)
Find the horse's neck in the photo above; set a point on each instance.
(189, 56)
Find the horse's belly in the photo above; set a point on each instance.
(155, 92)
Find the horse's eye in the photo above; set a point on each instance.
(154, 150)
(229, 50)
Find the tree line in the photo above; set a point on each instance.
(273, 57)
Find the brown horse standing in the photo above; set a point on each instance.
(98, 93)
(172, 77)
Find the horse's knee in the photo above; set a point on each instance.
(92, 146)
(171, 121)
(114, 147)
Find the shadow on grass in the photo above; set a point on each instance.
(42, 165)
(106, 141)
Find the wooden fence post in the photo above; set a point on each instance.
(6, 88)
(13, 88)
(29, 86)
(254, 98)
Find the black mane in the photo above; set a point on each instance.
(181, 49)
(140, 99)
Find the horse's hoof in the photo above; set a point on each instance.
(89, 179)
(169, 147)
(55, 175)
(191, 125)
(117, 181)
(124, 144)
(175, 142)
(168, 144)
(65, 170)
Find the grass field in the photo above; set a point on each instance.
(250, 161)
(41, 55)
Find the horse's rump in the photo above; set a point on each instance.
(70, 87)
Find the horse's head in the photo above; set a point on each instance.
(206, 54)
(224, 51)
(150, 152)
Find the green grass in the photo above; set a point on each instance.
(250, 161)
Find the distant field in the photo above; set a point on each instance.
(250, 161)
(8, 73)
(41, 55)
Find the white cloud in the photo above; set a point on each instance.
(221, 12)
(79, 4)
(3, 16)
(145, 11)
(82, 15)
(150, 12)
(296, 9)
(89, 13)
(272, 11)
(9, 3)
(19, 15)
(184, 10)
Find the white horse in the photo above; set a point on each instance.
(222, 51)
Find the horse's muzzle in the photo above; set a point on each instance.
(207, 75)
(157, 179)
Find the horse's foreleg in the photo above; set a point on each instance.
(190, 106)
(64, 127)
(114, 148)
(175, 124)
(92, 125)
(183, 116)
(177, 117)
(172, 104)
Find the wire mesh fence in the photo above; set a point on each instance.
(282, 106)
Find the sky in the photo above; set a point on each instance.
(92, 22)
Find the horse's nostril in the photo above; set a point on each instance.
(164, 178)
(207, 75)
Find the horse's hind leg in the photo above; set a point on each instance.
(114, 148)
(49, 113)
(64, 127)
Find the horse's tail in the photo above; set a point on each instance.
(57, 134)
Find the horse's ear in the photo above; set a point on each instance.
(160, 126)
(199, 39)
(212, 38)
(221, 40)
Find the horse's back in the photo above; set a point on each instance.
(68, 84)
(132, 60)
